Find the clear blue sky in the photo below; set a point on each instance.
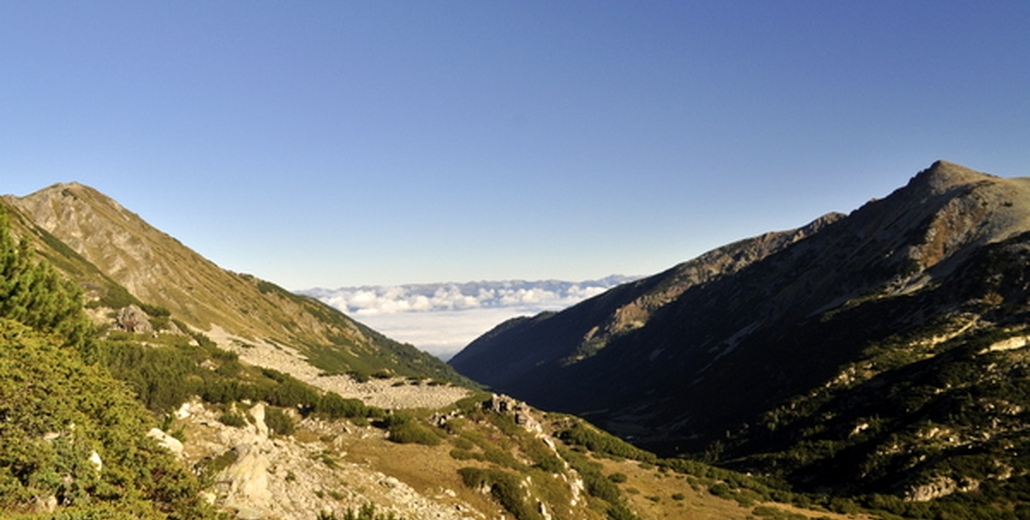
(347, 143)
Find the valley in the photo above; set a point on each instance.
(866, 365)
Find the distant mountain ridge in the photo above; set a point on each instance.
(834, 355)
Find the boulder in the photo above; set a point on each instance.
(166, 441)
(133, 319)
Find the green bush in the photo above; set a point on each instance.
(721, 490)
(232, 419)
(550, 464)
(359, 376)
(208, 467)
(278, 421)
(332, 406)
(601, 442)
(463, 443)
(597, 485)
(505, 487)
(617, 478)
(621, 512)
(460, 454)
(404, 429)
(34, 294)
(45, 388)
(155, 311)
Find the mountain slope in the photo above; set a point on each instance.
(835, 324)
(254, 442)
(105, 247)
(586, 328)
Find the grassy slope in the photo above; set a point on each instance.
(119, 259)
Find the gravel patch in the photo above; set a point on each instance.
(394, 393)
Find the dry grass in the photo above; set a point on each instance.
(430, 470)
(650, 495)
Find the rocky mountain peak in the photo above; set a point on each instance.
(942, 176)
(116, 240)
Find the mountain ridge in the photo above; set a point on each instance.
(141, 263)
(708, 371)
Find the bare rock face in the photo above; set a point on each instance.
(133, 319)
(940, 486)
(284, 478)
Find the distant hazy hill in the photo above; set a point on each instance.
(120, 259)
(881, 351)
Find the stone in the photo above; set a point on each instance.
(166, 441)
(133, 319)
(248, 477)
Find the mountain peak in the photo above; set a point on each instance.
(943, 176)
(60, 187)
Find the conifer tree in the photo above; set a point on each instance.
(34, 294)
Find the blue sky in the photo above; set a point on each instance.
(351, 143)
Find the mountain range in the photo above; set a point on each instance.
(870, 364)
(138, 380)
(882, 351)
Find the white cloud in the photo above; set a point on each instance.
(364, 301)
(443, 318)
(441, 333)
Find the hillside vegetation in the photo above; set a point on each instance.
(71, 436)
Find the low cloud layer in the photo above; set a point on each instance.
(442, 318)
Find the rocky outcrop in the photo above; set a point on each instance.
(133, 319)
(271, 477)
(245, 482)
(518, 410)
(939, 487)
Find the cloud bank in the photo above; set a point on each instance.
(442, 318)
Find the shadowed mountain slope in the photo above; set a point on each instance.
(771, 362)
